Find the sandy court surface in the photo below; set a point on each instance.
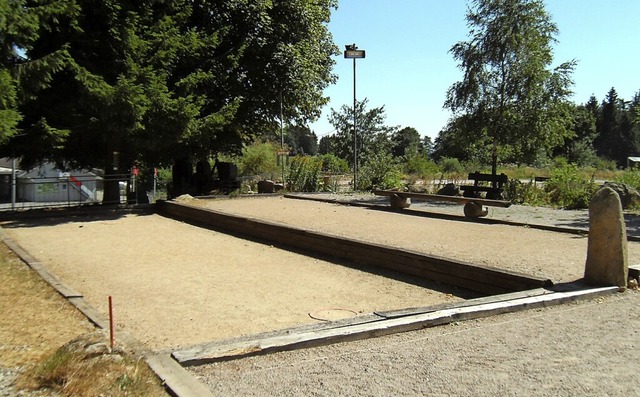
(174, 284)
(557, 256)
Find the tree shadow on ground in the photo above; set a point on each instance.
(49, 217)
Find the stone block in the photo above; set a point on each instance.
(399, 202)
(607, 258)
(266, 187)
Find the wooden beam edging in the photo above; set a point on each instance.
(175, 377)
(484, 279)
(221, 351)
(62, 288)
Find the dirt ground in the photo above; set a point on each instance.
(175, 285)
(557, 256)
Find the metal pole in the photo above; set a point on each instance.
(13, 184)
(355, 133)
(282, 137)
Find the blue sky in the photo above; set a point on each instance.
(408, 68)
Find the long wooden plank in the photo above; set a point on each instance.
(466, 303)
(478, 278)
(440, 197)
(175, 377)
(216, 352)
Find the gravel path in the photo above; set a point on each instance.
(583, 349)
(576, 219)
(586, 348)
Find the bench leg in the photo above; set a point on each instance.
(399, 202)
(475, 210)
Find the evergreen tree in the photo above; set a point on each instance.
(618, 135)
(160, 81)
(21, 24)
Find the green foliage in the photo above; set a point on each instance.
(259, 159)
(379, 172)
(159, 81)
(525, 193)
(405, 142)
(508, 96)
(22, 23)
(602, 164)
(451, 166)
(333, 165)
(522, 172)
(630, 177)
(567, 188)
(372, 132)
(301, 140)
(304, 174)
(421, 166)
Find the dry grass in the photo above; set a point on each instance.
(77, 369)
(36, 321)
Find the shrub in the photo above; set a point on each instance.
(450, 165)
(304, 174)
(605, 165)
(630, 178)
(259, 159)
(379, 172)
(568, 189)
(333, 165)
(421, 166)
(525, 193)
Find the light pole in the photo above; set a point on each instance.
(352, 52)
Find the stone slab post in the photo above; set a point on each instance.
(607, 261)
(399, 202)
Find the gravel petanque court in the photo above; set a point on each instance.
(175, 285)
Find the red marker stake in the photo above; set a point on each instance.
(111, 322)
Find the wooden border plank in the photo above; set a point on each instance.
(175, 377)
(295, 340)
(483, 279)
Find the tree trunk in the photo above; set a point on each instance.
(111, 186)
(494, 162)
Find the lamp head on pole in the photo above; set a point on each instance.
(352, 52)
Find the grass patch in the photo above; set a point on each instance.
(38, 322)
(84, 367)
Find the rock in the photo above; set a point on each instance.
(90, 345)
(607, 258)
(629, 196)
(475, 210)
(184, 197)
(449, 189)
(266, 186)
(399, 202)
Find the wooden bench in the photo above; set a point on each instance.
(473, 206)
(493, 185)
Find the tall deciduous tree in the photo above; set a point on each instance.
(508, 92)
(372, 132)
(405, 142)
